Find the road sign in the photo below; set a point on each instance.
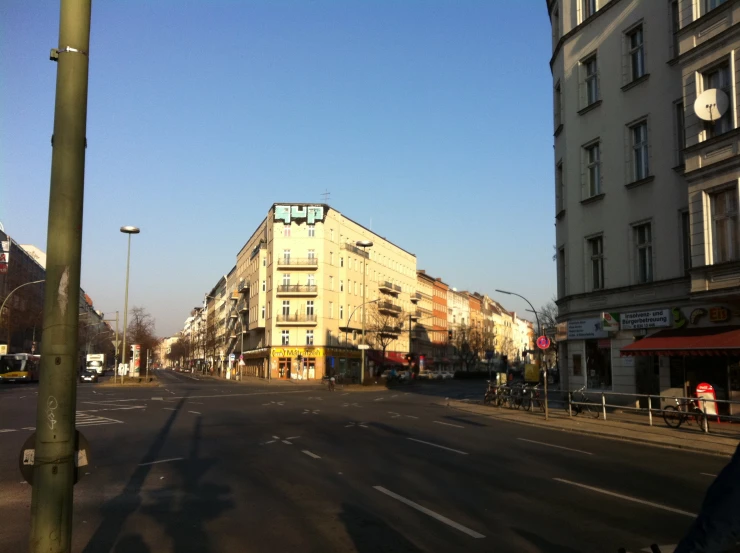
(3, 349)
(232, 356)
(543, 342)
(27, 457)
(363, 346)
(116, 343)
(3, 268)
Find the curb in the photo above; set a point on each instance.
(679, 447)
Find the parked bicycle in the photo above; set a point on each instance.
(582, 404)
(533, 398)
(686, 410)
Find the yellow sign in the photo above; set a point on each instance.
(295, 352)
(3, 349)
(531, 373)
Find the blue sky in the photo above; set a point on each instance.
(428, 120)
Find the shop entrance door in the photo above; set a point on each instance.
(647, 376)
(284, 368)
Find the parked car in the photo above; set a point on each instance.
(88, 376)
(446, 375)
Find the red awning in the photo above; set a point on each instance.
(721, 341)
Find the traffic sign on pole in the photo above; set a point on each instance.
(543, 342)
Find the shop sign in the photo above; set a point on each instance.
(705, 390)
(295, 352)
(610, 322)
(561, 332)
(719, 314)
(586, 328)
(655, 318)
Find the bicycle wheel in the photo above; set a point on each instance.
(541, 402)
(591, 409)
(487, 398)
(526, 403)
(672, 416)
(698, 416)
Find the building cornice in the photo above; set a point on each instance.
(709, 44)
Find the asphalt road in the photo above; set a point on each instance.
(211, 466)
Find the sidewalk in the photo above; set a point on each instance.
(619, 428)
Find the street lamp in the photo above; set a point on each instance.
(2, 307)
(126, 230)
(350, 317)
(539, 333)
(363, 244)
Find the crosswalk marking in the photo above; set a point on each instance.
(85, 419)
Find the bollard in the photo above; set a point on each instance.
(570, 399)
(705, 419)
(650, 410)
(603, 404)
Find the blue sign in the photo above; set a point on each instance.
(331, 362)
(489, 354)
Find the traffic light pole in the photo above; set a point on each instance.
(54, 458)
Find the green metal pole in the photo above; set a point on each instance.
(54, 464)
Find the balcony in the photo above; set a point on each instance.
(297, 319)
(354, 249)
(389, 331)
(416, 297)
(416, 315)
(244, 308)
(297, 262)
(297, 290)
(389, 288)
(243, 287)
(389, 308)
(232, 315)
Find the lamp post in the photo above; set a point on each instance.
(126, 230)
(350, 317)
(2, 307)
(539, 333)
(363, 244)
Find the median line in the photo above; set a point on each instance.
(162, 461)
(627, 498)
(437, 445)
(448, 424)
(312, 455)
(429, 512)
(555, 446)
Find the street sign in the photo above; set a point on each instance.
(363, 346)
(3, 268)
(232, 356)
(543, 342)
(116, 343)
(27, 457)
(3, 349)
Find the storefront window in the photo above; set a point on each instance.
(598, 364)
(577, 365)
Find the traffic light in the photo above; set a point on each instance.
(449, 335)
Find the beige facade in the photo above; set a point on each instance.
(300, 276)
(645, 192)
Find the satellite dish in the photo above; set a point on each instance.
(711, 104)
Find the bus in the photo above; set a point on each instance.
(19, 367)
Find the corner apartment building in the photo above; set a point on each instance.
(300, 281)
(646, 193)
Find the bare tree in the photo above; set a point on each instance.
(469, 342)
(178, 350)
(383, 328)
(141, 331)
(548, 318)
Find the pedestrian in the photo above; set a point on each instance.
(717, 528)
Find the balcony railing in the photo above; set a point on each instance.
(352, 248)
(416, 296)
(243, 287)
(296, 318)
(297, 289)
(389, 307)
(298, 261)
(389, 331)
(389, 288)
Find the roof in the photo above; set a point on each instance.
(722, 341)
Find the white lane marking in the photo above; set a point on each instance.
(442, 519)
(362, 426)
(345, 394)
(287, 442)
(379, 399)
(7, 430)
(194, 412)
(349, 425)
(708, 474)
(662, 548)
(394, 396)
(162, 461)
(168, 409)
(271, 442)
(292, 437)
(21, 397)
(307, 452)
(437, 445)
(556, 446)
(412, 417)
(448, 424)
(156, 399)
(198, 402)
(29, 428)
(276, 437)
(628, 498)
(97, 423)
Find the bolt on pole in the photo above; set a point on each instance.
(54, 465)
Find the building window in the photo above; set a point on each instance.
(709, 5)
(309, 308)
(286, 231)
(591, 79)
(341, 312)
(331, 283)
(596, 253)
(263, 312)
(311, 231)
(331, 234)
(719, 77)
(286, 308)
(598, 364)
(557, 106)
(561, 272)
(724, 225)
(331, 310)
(341, 286)
(341, 262)
(264, 262)
(309, 337)
(331, 258)
(312, 254)
(286, 256)
(676, 26)
(680, 132)
(286, 279)
(593, 169)
(311, 280)
(686, 241)
(589, 8)
(559, 188)
(636, 46)
(639, 137)
(644, 247)
(285, 338)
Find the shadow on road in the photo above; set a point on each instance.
(371, 534)
(131, 543)
(117, 510)
(542, 544)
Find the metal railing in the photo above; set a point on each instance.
(311, 261)
(388, 306)
(352, 248)
(298, 288)
(296, 318)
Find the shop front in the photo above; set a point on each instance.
(588, 354)
(302, 363)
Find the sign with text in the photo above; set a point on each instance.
(586, 328)
(655, 318)
(610, 322)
